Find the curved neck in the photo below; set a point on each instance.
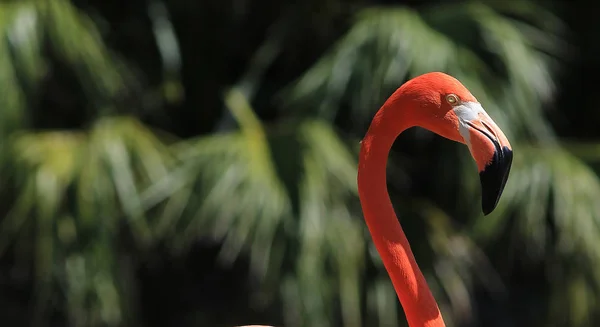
(417, 301)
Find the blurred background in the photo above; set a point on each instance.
(193, 163)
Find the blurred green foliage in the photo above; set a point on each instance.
(193, 163)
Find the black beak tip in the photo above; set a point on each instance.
(493, 179)
(487, 208)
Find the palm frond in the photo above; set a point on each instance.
(386, 46)
(77, 41)
(551, 210)
(75, 188)
(235, 191)
(228, 189)
(21, 64)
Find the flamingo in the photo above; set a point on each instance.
(442, 104)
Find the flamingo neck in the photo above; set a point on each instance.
(417, 301)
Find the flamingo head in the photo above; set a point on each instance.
(441, 104)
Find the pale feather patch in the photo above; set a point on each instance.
(467, 111)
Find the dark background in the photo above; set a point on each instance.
(85, 84)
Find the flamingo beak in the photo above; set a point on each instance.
(490, 149)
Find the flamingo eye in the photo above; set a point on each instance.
(452, 99)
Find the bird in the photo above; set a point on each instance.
(441, 104)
